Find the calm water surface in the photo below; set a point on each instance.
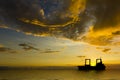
(59, 75)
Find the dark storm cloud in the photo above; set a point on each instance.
(37, 17)
(46, 11)
(107, 12)
(61, 18)
(27, 47)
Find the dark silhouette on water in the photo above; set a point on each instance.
(99, 65)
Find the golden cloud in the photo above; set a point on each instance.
(103, 36)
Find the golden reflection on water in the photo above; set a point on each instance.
(72, 74)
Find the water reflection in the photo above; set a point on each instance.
(59, 75)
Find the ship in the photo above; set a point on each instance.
(99, 65)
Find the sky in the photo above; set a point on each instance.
(59, 32)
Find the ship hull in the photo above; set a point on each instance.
(91, 67)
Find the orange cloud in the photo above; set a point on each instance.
(107, 36)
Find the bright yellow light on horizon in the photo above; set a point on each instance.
(93, 64)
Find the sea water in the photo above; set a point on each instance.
(59, 74)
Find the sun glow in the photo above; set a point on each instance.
(93, 63)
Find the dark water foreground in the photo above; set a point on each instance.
(58, 75)
(62, 74)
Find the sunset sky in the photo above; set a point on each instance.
(59, 32)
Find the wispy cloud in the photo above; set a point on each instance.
(6, 49)
(27, 47)
(106, 50)
(50, 51)
(81, 56)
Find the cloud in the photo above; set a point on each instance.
(50, 51)
(70, 19)
(47, 13)
(13, 51)
(108, 36)
(81, 56)
(116, 33)
(4, 49)
(106, 50)
(107, 14)
(116, 52)
(42, 18)
(27, 47)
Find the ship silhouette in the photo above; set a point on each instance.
(99, 65)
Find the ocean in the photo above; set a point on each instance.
(59, 74)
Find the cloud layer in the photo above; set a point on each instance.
(70, 19)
